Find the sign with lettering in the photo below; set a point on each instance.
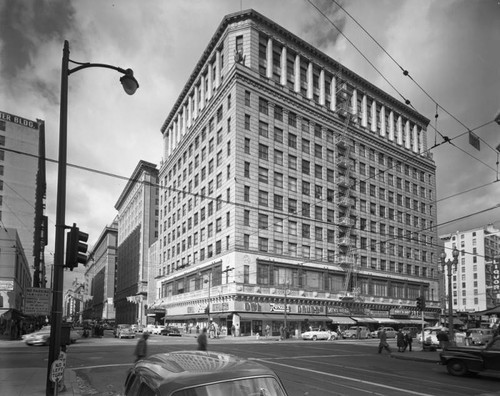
(18, 120)
(37, 301)
(57, 368)
(6, 285)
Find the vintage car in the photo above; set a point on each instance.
(124, 331)
(170, 331)
(353, 331)
(462, 360)
(389, 331)
(316, 334)
(42, 336)
(480, 336)
(186, 373)
(430, 336)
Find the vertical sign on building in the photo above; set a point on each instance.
(496, 279)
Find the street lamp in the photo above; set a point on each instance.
(130, 85)
(287, 284)
(449, 264)
(209, 286)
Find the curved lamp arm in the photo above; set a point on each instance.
(128, 80)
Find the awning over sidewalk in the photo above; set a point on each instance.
(341, 320)
(385, 320)
(364, 319)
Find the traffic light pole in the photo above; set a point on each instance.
(58, 275)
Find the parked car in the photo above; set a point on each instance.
(124, 331)
(171, 331)
(316, 334)
(462, 360)
(480, 336)
(389, 331)
(42, 336)
(353, 331)
(137, 328)
(430, 335)
(201, 373)
(412, 330)
(157, 329)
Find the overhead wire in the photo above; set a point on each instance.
(405, 73)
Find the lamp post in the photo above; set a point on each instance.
(287, 284)
(130, 85)
(209, 287)
(450, 265)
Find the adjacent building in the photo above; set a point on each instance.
(137, 228)
(475, 278)
(22, 186)
(292, 191)
(100, 274)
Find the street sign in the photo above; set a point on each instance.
(57, 368)
(37, 301)
(6, 285)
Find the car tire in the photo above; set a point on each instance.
(456, 367)
(314, 338)
(119, 336)
(353, 336)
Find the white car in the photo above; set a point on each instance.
(157, 329)
(316, 334)
(430, 335)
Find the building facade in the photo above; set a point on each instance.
(475, 280)
(137, 230)
(293, 191)
(22, 185)
(100, 272)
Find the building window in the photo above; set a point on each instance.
(263, 244)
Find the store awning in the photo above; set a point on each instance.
(385, 320)
(409, 321)
(364, 319)
(341, 320)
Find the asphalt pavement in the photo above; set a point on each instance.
(32, 381)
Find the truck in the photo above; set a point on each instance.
(463, 360)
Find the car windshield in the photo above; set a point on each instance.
(262, 386)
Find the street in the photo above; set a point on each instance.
(344, 367)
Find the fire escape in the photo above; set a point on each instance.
(345, 197)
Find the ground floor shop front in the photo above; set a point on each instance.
(251, 317)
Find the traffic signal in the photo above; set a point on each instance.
(420, 303)
(76, 247)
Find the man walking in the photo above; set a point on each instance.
(383, 342)
(141, 349)
(202, 340)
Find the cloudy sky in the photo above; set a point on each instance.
(449, 47)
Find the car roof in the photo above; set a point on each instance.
(167, 372)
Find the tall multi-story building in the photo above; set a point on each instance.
(22, 185)
(137, 209)
(292, 190)
(473, 278)
(100, 272)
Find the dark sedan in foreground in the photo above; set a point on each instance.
(201, 373)
(462, 360)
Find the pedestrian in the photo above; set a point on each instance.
(141, 349)
(282, 333)
(400, 340)
(383, 342)
(202, 340)
(233, 330)
(408, 341)
(443, 339)
(268, 331)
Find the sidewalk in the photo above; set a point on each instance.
(31, 381)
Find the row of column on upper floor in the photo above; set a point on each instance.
(364, 111)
